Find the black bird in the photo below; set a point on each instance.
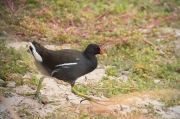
(67, 64)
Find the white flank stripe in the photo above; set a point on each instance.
(35, 54)
(54, 72)
(66, 64)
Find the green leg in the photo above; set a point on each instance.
(38, 90)
(80, 94)
(88, 97)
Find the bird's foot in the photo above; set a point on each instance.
(38, 91)
(98, 101)
(36, 94)
(38, 98)
(87, 97)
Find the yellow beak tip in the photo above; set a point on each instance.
(104, 54)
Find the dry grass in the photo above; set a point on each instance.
(131, 99)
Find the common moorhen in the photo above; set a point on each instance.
(66, 64)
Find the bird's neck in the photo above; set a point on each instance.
(40, 49)
(89, 56)
(91, 59)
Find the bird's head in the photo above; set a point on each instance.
(94, 49)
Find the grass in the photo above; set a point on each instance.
(74, 22)
(23, 111)
(12, 65)
(131, 33)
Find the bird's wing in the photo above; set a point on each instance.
(61, 58)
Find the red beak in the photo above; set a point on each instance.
(102, 52)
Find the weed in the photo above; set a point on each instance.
(11, 64)
(23, 111)
(34, 80)
(3, 83)
(172, 101)
(110, 72)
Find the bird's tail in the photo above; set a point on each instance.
(36, 50)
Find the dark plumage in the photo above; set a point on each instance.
(66, 64)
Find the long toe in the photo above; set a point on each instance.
(97, 101)
(87, 97)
